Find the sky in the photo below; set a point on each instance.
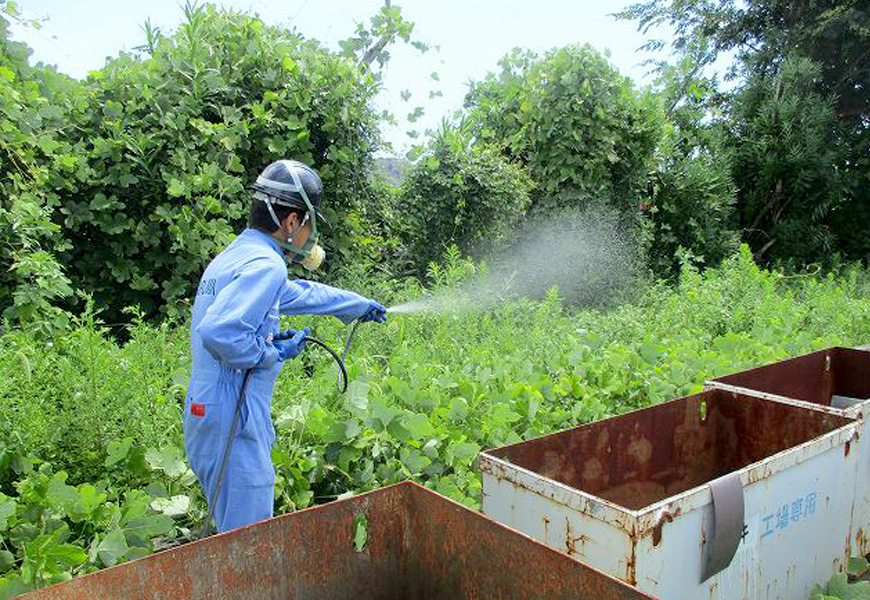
(471, 35)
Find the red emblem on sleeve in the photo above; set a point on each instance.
(197, 409)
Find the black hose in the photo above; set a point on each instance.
(349, 340)
(339, 361)
(228, 447)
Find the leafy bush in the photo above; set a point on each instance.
(690, 203)
(52, 531)
(690, 195)
(64, 401)
(372, 250)
(168, 142)
(849, 219)
(31, 150)
(839, 588)
(461, 194)
(578, 125)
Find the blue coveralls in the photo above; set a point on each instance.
(235, 316)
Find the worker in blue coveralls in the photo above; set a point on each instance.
(235, 322)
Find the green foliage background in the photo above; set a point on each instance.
(785, 149)
(572, 120)
(32, 148)
(797, 120)
(148, 180)
(460, 194)
(115, 192)
(125, 184)
(173, 139)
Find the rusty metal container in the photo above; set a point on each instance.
(712, 496)
(418, 545)
(835, 380)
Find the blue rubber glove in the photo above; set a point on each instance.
(376, 312)
(290, 348)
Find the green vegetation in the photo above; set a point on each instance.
(842, 587)
(92, 467)
(158, 149)
(796, 122)
(116, 190)
(579, 126)
(462, 194)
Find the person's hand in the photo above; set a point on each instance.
(376, 312)
(290, 343)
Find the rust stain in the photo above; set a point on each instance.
(657, 529)
(631, 566)
(713, 588)
(571, 541)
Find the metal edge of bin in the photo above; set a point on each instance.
(473, 514)
(557, 491)
(186, 550)
(649, 517)
(408, 492)
(856, 411)
(700, 496)
(711, 384)
(647, 522)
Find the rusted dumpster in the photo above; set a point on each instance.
(417, 545)
(711, 496)
(835, 380)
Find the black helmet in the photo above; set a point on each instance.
(277, 181)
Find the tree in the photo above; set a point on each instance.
(170, 140)
(576, 124)
(460, 193)
(32, 151)
(691, 193)
(785, 144)
(774, 41)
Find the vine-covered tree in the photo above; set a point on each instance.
(32, 151)
(133, 178)
(799, 118)
(580, 127)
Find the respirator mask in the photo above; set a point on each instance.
(311, 254)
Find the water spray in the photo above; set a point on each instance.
(587, 253)
(407, 308)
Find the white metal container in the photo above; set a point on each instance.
(713, 496)
(835, 380)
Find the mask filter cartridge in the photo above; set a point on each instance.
(315, 258)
